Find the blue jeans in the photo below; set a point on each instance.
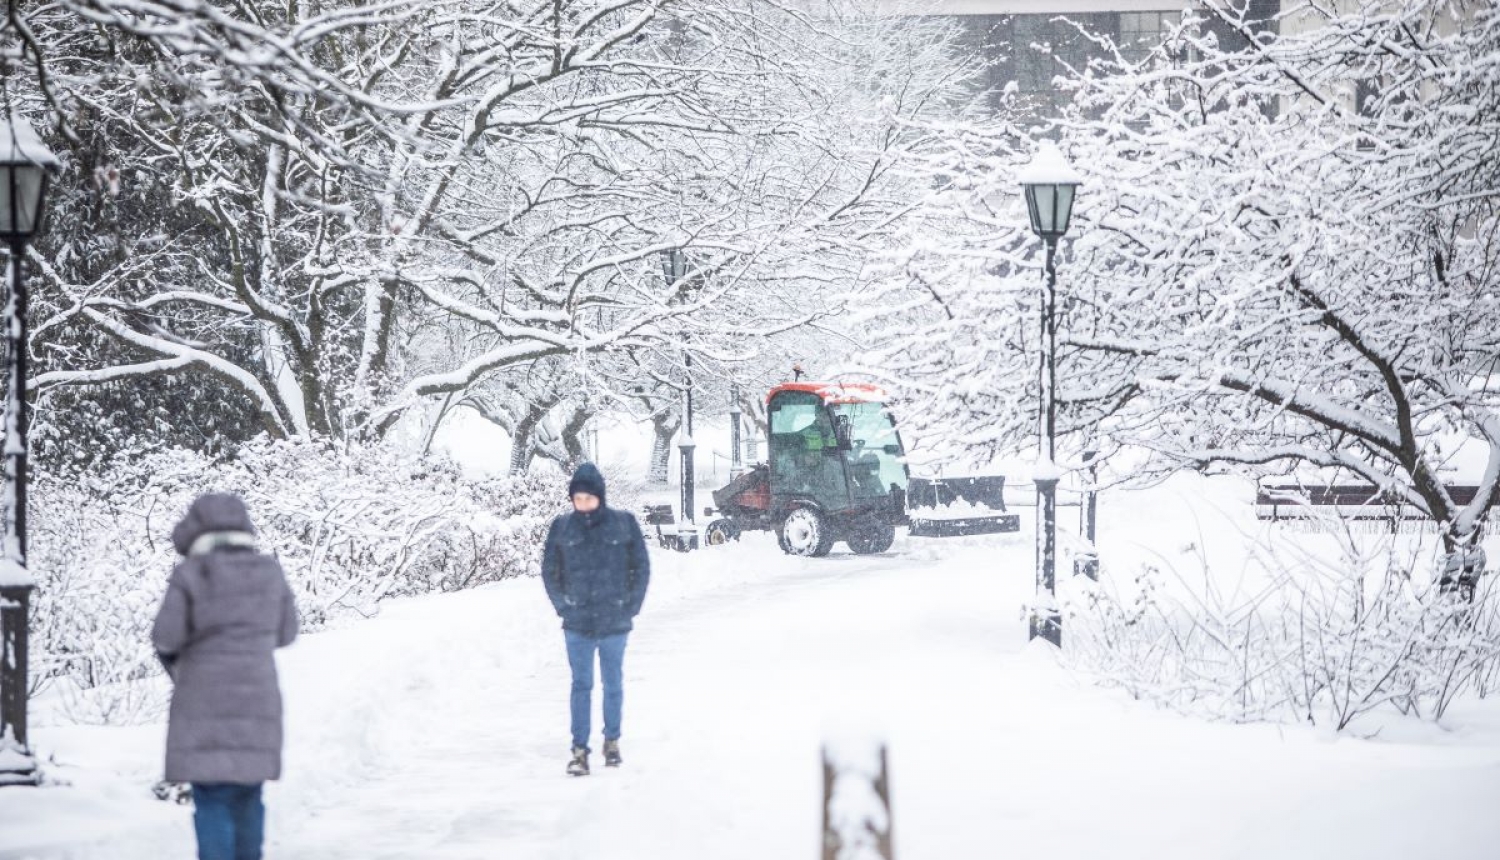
(230, 820)
(611, 650)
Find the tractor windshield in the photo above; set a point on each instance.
(805, 459)
(877, 461)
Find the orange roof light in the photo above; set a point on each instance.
(834, 392)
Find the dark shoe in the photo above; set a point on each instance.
(611, 753)
(173, 792)
(579, 766)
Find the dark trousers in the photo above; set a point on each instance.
(230, 820)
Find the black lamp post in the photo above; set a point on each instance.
(674, 266)
(1088, 565)
(686, 446)
(25, 166)
(736, 465)
(1050, 185)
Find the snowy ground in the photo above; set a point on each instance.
(439, 729)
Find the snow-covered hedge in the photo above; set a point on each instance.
(352, 526)
(1325, 640)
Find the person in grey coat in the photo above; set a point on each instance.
(226, 610)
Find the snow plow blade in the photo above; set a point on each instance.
(966, 527)
(958, 507)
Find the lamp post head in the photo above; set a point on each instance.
(25, 165)
(1050, 184)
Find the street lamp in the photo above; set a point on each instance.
(25, 166)
(674, 266)
(1050, 184)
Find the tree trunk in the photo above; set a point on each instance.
(570, 437)
(521, 443)
(753, 414)
(665, 427)
(436, 424)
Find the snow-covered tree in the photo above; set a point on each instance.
(333, 213)
(1284, 254)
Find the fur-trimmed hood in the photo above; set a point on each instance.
(212, 513)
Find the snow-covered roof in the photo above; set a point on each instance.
(22, 143)
(13, 575)
(1048, 167)
(836, 392)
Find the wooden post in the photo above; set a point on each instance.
(830, 836)
(857, 821)
(883, 791)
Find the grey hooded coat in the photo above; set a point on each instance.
(227, 609)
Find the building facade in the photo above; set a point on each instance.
(1028, 44)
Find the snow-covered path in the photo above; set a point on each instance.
(439, 730)
(726, 684)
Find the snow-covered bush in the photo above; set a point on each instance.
(1326, 641)
(351, 525)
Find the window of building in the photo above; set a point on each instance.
(1260, 17)
(1033, 50)
(988, 38)
(1047, 46)
(1142, 32)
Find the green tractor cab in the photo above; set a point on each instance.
(836, 471)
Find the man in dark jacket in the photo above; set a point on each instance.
(227, 609)
(596, 572)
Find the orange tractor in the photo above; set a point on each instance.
(836, 471)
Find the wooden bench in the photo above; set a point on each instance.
(660, 515)
(1350, 501)
(670, 538)
(1461, 570)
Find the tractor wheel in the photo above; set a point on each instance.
(872, 538)
(720, 532)
(805, 532)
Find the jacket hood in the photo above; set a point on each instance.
(211, 512)
(588, 479)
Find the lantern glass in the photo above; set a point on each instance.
(24, 164)
(23, 186)
(1050, 206)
